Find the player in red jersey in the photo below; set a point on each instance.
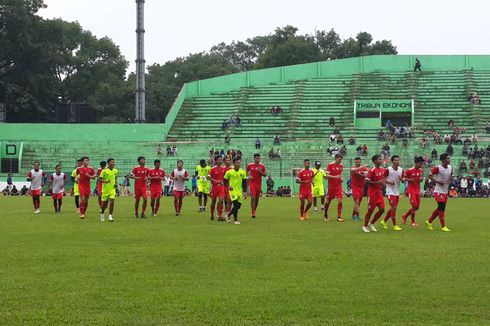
(358, 177)
(305, 180)
(227, 166)
(334, 176)
(441, 175)
(375, 178)
(217, 177)
(140, 175)
(156, 175)
(99, 184)
(85, 174)
(255, 173)
(414, 176)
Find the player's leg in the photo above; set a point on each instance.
(99, 198)
(370, 210)
(355, 210)
(220, 206)
(157, 204)
(415, 208)
(339, 208)
(301, 207)
(199, 196)
(213, 206)
(145, 203)
(234, 211)
(314, 204)
(180, 202)
(77, 203)
(105, 203)
(152, 204)
(308, 206)
(55, 204)
(204, 201)
(111, 208)
(137, 196)
(322, 199)
(381, 209)
(326, 206)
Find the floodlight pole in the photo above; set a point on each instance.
(140, 62)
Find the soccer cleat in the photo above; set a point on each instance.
(365, 229)
(102, 217)
(227, 218)
(136, 216)
(306, 216)
(316, 209)
(446, 229)
(340, 219)
(325, 218)
(415, 225)
(220, 219)
(397, 228)
(429, 226)
(37, 211)
(177, 214)
(323, 209)
(153, 214)
(111, 219)
(384, 224)
(372, 228)
(82, 217)
(212, 218)
(236, 222)
(302, 218)
(404, 219)
(78, 210)
(253, 216)
(143, 215)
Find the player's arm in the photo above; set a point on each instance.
(226, 180)
(186, 176)
(29, 176)
(50, 181)
(262, 172)
(43, 179)
(432, 178)
(91, 175)
(132, 175)
(245, 187)
(172, 176)
(356, 170)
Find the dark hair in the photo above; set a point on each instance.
(444, 156)
(141, 158)
(375, 157)
(418, 159)
(57, 166)
(202, 162)
(357, 158)
(306, 160)
(180, 161)
(156, 161)
(339, 155)
(217, 157)
(393, 157)
(36, 162)
(318, 162)
(256, 155)
(236, 159)
(79, 160)
(84, 157)
(103, 163)
(110, 160)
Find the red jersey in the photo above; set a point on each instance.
(414, 186)
(252, 169)
(375, 174)
(305, 175)
(141, 173)
(99, 171)
(156, 184)
(358, 180)
(335, 169)
(83, 180)
(218, 174)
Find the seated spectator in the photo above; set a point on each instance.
(434, 154)
(340, 139)
(381, 135)
(463, 167)
(393, 138)
(474, 98)
(6, 191)
(472, 164)
(257, 143)
(174, 150)
(333, 137)
(474, 139)
(487, 127)
(331, 122)
(159, 150)
(450, 150)
(14, 191)
(23, 190)
(277, 140)
(169, 151)
(364, 150)
(343, 150)
(450, 123)
(453, 193)
(447, 138)
(352, 140)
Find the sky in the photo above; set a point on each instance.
(178, 28)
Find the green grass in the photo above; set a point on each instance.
(57, 269)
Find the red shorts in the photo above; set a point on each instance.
(440, 198)
(179, 194)
(306, 195)
(393, 200)
(155, 193)
(376, 200)
(255, 190)
(357, 194)
(227, 192)
(84, 192)
(36, 193)
(57, 196)
(335, 193)
(99, 189)
(140, 192)
(414, 199)
(218, 192)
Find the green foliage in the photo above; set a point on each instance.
(274, 270)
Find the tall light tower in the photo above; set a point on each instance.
(140, 62)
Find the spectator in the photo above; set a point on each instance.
(472, 164)
(174, 150)
(167, 183)
(450, 150)
(159, 151)
(9, 181)
(227, 140)
(453, 193)
(352, 140)
(463, 167)
(14, 191)
(450, 123)
(23, 190)
(331, 122)
(381, 135)
(417, 66)
(277, 140)
(270, 184)
(333, 137)
(474, 98)
(464, 185)
(340, 139)
(194, 184)
(434, 154)
(257, 143)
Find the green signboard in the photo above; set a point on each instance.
(384, 105)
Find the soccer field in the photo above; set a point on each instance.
(168, 270)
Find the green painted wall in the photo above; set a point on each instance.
(77, 132)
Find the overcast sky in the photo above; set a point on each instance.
(177, 28)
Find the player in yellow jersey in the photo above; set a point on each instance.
(108, 177)
(76, 193)
(236, 179)
(203, 185)
(318, 188)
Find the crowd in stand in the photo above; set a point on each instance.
(276, 110)
(462, 186)
(234, 120)
(474, 98)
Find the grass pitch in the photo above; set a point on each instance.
(275, 270)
